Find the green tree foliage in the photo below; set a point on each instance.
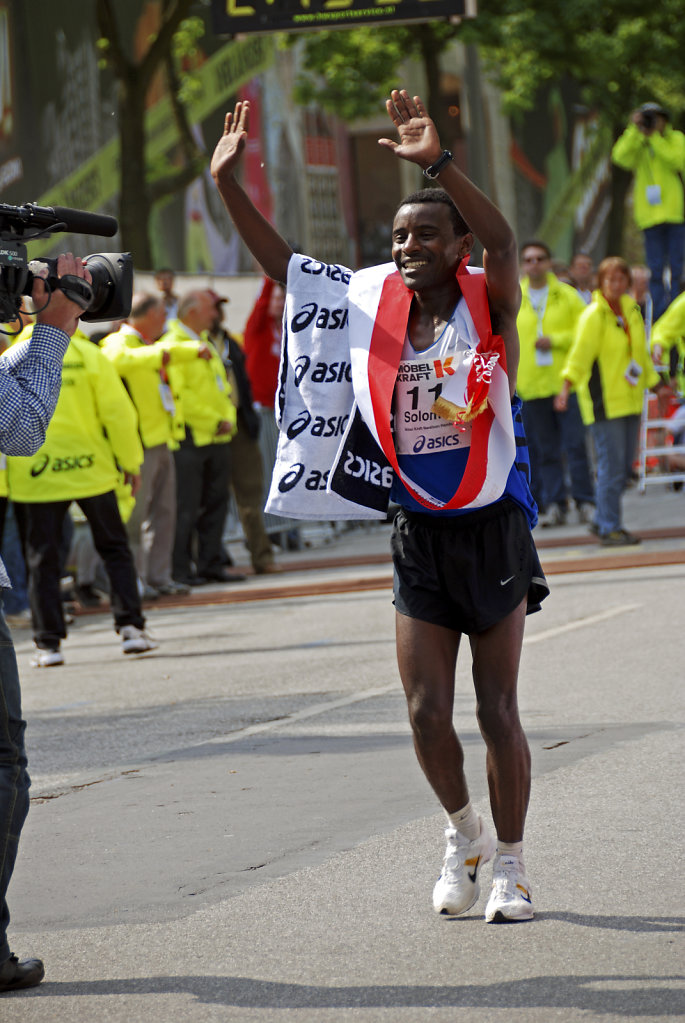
(350, 72)
(620, 52)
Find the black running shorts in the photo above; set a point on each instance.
(466, 572)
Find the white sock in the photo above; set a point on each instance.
(466, 821)
(510, 849)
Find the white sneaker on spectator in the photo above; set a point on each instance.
(586, 513)
(511, 898)
(20, 620)
(457, 889)
(135, 640)
(555, 515)
(47, 658)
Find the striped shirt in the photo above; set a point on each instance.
(30, 380)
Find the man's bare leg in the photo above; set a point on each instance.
(427, 660)
(496, 655)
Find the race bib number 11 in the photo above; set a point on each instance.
(420, 382)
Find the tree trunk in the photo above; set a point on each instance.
(620, 185)
(134, 200)
(430, 56)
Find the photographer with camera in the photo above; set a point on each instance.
(30, 379)
(655, 152)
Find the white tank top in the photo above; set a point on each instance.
(421, 378)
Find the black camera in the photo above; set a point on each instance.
(649, 112)
(109, 295)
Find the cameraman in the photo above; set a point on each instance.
(655, 152)
(30, 378)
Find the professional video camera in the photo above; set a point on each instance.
(109, 295)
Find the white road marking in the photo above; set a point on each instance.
(370, 694)
(580, 623)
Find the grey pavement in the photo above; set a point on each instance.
(235, 828)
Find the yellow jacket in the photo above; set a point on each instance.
(656, 160)
(562, 312)
(600, 356)
(78, 459)
(139, 365)
(669, 329)
(203, 389)
(669, 332)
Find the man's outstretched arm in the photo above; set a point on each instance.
(420, 144)
(271, 251)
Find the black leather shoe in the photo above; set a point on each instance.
(224, 576)
(15, 975)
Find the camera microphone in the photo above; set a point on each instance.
(78, 221)
(81, 222)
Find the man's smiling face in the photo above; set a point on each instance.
(425, 248)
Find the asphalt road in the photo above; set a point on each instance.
(235, 828)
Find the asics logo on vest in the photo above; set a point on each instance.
(67, 464)
(447, 440)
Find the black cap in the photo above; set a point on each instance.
(654, 108)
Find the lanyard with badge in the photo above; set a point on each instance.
(543, 357)
(634, 369)
(653, 191)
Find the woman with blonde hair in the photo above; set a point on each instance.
(609, 366)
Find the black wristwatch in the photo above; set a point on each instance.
(435, 168)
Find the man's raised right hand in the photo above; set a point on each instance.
(230, 146)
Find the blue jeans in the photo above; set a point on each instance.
(664, 246)
(14, 778)
(551, 436)
(16, 599)
(615, 444)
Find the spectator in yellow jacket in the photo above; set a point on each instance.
(546, 324)
(91, 439)
(203, 458)
(655, 152)
(144, 366)
(609, 367)
(668, 341)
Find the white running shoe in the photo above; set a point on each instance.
(457, 888)
(47, 658)
(511, 898)
(135, 640)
